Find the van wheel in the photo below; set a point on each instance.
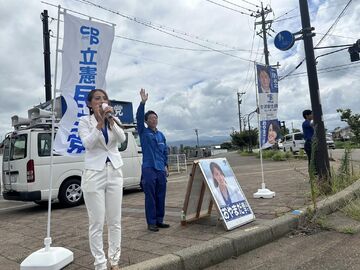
(70, 193)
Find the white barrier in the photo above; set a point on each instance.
(177, 163)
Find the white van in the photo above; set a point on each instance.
(26, 167)
(293, 142)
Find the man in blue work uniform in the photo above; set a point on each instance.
(154, 166)
(308, 132)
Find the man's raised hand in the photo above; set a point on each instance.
(144, 96)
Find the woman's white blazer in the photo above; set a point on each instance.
(97, 151)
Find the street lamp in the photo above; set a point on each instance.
(197, 137)
(250, 140)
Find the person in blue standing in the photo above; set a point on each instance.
(154, 165)
(308, 132)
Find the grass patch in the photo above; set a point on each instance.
(301, 154)
(352, 210)
(346, 144)
(276, 155)
(345, 176)
(246, 153)
(321, 221)
(349, 230)
(288, 154)
(279, 156)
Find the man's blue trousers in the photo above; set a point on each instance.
(154, 185)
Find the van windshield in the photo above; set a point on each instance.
(298, 136)
(15, 147)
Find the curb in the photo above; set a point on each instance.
(238, 242)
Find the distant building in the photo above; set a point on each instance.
(342, 133)
(216, 149)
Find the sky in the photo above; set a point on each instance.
(190, 86)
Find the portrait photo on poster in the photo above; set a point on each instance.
(269, 133)
(226, 191)
(267, 79)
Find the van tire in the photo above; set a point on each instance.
(70, 193)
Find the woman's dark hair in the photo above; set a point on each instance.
(90, 97)
(275, 126)
(213, 166)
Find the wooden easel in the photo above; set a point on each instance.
(202, 193)
(198, 199)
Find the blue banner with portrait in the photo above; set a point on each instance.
(268, 90)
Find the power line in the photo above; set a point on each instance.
(162, 30)
(166, 46)
(148, 23)
(174, 47)
(250, 3)
(236, 5)
(228, 7)
(327, 33)
(333, 35)
(247, 79)
(160, 62)
(321, 8)
(233, 49)
(334, 23)
(288, 18)
(286, 13)
(327, 69)
(155, 61)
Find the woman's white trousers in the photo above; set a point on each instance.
(103, 191)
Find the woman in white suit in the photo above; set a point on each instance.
(102, 180)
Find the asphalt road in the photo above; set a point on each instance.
(328, 250)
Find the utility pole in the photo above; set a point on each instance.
(197, 137)
(321, 154)
(46, 41)
(239, 96)
(262, 33)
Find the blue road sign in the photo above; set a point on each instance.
(284, 40)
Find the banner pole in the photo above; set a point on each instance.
(50, 258)
(262, 192)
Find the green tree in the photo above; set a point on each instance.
(284, 132)
(226, 145)
(245, 139)
(353, 120)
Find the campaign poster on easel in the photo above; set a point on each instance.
(226, 192)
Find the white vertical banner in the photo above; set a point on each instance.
(268, 105)
(86, 51)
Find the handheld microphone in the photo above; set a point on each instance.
(109, 114)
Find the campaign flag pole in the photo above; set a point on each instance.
(262, 192)
(50, 258)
